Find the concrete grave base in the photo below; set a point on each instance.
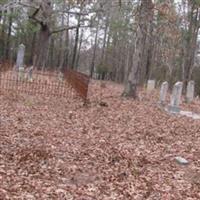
(173, 109)
(190, 114)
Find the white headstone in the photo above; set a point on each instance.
(61, 76)
(20, 61)
(151, 85)
(190, 91)
(20, 56)
(163, 92)
(176, 97)
(181, 160)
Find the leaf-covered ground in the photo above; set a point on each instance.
(114, 148)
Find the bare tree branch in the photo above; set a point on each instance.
(33, 16)
(70, 12)
(36, 20)
(28, 5)
(66, 28)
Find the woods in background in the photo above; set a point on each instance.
(127, 41)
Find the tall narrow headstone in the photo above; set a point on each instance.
(151, 85)
(190, 91)
(163, 92)
(20, 56)
(176, 97)
(20, 61)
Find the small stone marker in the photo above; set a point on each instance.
(190, 92)
(21, 73)
(30, 74)
(176, 98)
(163, 92)
(180, 160)
(61, 76)
(151, 85)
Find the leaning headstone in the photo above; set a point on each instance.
(190, 92)
(176, 98)
(151, 85)
(163, 92)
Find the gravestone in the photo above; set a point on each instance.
(182, 161)
(20, 61)
(151, 85)
(21, 73)
(20, 56)
(61, 76)
(190, 92)
(163, 92)
(176, 98)
(30, 74)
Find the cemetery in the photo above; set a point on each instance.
(99, 100)
(89, 150)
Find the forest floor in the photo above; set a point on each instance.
(114, 148)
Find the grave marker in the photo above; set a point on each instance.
(30, 74)
(176, 98)
(163, 92)
(151, 85)
(190, 92)
(20, 61)
(20, 56)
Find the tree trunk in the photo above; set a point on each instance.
(190, 44)
(141, 48)
(2, 41)
(79, 50)
(66, 59)
(31, 60)
(10, 19)
(61, 45)
(42, 47)
(104, 40)
(45, 12)
(51, 54)
(94, 52)
(76, 43)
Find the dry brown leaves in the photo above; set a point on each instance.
(113, 148)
